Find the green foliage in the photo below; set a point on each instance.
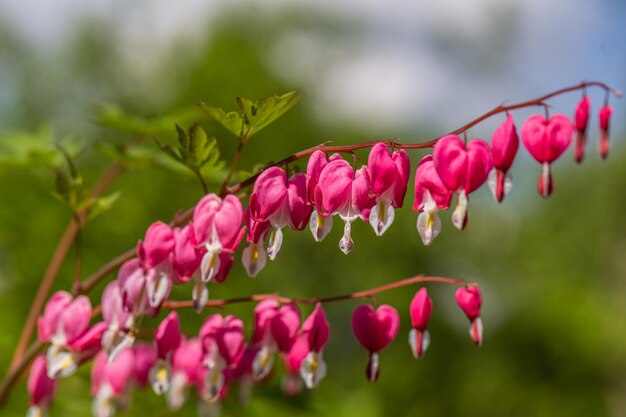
(33, 149)
(115, 117)
(255, 115)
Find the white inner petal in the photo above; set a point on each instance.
(160, 377)
(313, 370)
(200, 295)
(210, 265)
(254, 258)
(320, 226)
(381, 216)
(458, 216)
(263, 363)
(275, 243)
(346, 244)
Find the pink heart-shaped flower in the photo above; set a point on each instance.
(375, 329)
(546, 140)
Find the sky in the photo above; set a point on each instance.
(406, 62)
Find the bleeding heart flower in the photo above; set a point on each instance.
(166, 339)
(388, 177)
(40, 388)
(223, 345)
(342, 191)
(430, 196)
(254, 257)
(546, 140)
(186, 371)
(581, 117)
(186, 256)
(421, 309)
(470, 301)
(375, 330)
(65, 324)
(462, 170)
(109, 381)
(275, 330)
(317, 331)
(605, 118)
(292, 381)
(144, 359)
(504, 146)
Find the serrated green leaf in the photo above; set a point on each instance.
(260, 113)
(170, 151)
(231, 121)
(200, 146)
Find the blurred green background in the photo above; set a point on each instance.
(553, 273)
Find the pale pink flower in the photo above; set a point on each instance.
(317, 331)
(109, 382)
(430, 197)
(40, 388)
(166, 339)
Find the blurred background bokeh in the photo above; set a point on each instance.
(553, 273)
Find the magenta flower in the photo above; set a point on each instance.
(275, 330)
(217, 226)
(342, 191)
(166, 339)
(581, 118)
(375, 330)
(65, 324)
(388, 176)
(186, 371)
(421, 309)
(462, 170)
(546, 140)
(281, 202)
(40, 388)
(605, 118)
(144, 359)
(504, 146)
(186, 256)
(118, 318)
(317, 331)
(254, 257)
(156, 246)
(292, 381)
(320, 224)
(430, 197)
(109, 382)
(223, 345)
(470, 301)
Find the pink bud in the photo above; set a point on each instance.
(40, 387)
(167, 337)
(316, 329)
(421, 308)
(470, 301)
(144, 360)
(375, 330)
(504, 146)
(156, 246)
(605, 118)
(581, 118)
(546, 141)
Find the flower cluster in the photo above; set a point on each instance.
(204, 249)
(219, 356)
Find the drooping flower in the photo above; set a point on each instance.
(430, 197)
(469, 300)
(186, 371)
(317, 331)
(186, 256)
(342, 191)
(388, 177)
(223, 345)
(166, 340)
(109, 382)
(319, 224)
(504, 146)
(421, 309)
(462, 170)
(40, 388)
(281, 202)
(605, 118)
(217, 228)
(254, 257)
(65, 324)
(292, 380)
(144, 359)
(275, 330)
(581, 118)
(546, 140)
(375, 330)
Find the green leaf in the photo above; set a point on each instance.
(112, 116)
(103, 204)
(231, 121)
(262, 112)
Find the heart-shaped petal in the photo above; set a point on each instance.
(450, 160)
(547, 140)
(375, 329)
